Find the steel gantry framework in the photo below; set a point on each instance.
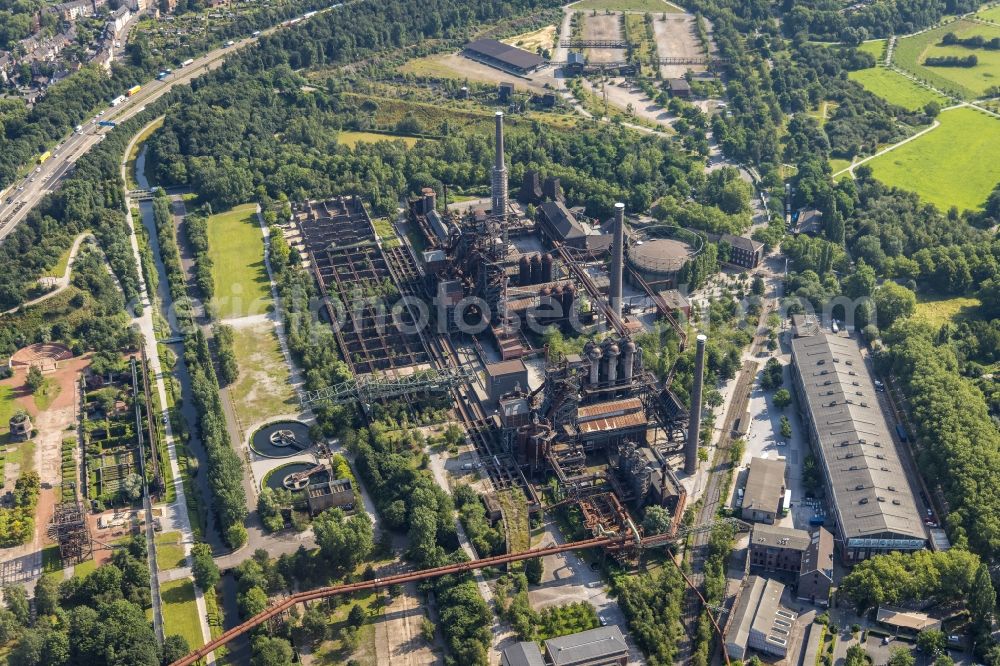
(371, 388)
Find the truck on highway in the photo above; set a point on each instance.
(108, 123)
(118, 100)
(229, 43)
(133, 90)
(79, 129)
(188, 62)
(255, 33)
(44, 156)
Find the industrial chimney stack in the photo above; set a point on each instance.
(694, 422)
(617, 260)
(499, 173)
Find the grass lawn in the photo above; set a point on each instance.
(236, 247)
(169, 551)
(23, 455)
(953, 165)
(628, 5)
(7, 406)
(543, 38)
(335, 651)
(44, 396)
(836, 164)
(938, 311)
(876, 47)
(351, 139)
(60, 268)
(262, 389)
(911, 52)
(991, 14)
(84, 568)
(895, 88)
(180, 611)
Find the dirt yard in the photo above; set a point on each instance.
(542, 38)
(677, 37)
(54, 423)
(455, 66)
(603, 26)
(398, 638)
(643, 107)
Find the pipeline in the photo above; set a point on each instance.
(398, 579)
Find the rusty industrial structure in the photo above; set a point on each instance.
(609, 432)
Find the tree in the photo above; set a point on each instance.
(982, 604)
(533, 570)
(314, 624)
(16, 599)
(175, 646)
(786, 427)
(203, 567)
(932, 641)
(270, 651)
(345, 543)
(657, 520)
(34, 380)
(782, 398)
(856, 656)
(357, 616)
(893, 302)
(900, 656)
(932, 109)
(47, 595)
(132, 487)
(252, 602)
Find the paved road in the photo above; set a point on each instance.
(25, 194)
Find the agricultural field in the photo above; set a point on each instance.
(351, 139)
(969, 82)
(953, 165)
(937, 312)
(543, 38)
(628, 5)
(236, 247)
(180, 611)
(992, 14)
(263, 388)
(895, 88)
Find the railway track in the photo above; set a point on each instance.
(712, 498)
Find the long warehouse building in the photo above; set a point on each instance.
(870, 494)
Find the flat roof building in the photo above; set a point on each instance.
(904, 621)
(765, 490)
(870, 493)
(503, 56)
(759, 621)
(594, 647)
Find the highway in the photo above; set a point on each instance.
(23, 195)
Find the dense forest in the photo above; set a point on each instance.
(826, 20)
(99, 618)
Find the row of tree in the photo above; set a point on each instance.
(224, 466)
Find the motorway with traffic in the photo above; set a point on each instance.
(18, 199)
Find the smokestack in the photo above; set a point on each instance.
(694, 422)
(499, 173)
(617, 260)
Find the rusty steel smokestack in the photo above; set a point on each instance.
(617, 260)
(499, 172)
(694, 422)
